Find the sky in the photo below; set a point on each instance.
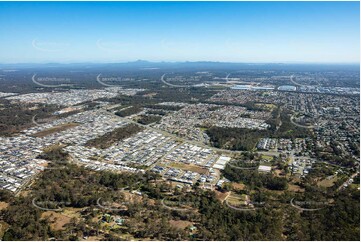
(252, 32)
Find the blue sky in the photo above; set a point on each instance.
(41, 32)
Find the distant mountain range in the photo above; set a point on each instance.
(209, 65)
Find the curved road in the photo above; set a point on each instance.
(293, 81)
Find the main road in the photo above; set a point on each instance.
(293, 81)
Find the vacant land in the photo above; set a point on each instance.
(221, 196)
(327, 182)
(238, 186)
(3, 205)
(55, 129)
(295, 188)
(267, 157)
(180, 224)
(188, 167)
(237, 200)
(57, 220)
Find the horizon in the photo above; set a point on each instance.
(180, 62)
(226, 32)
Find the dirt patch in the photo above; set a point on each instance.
(180, 224)
(151, 202)
(132, 198)
(55, 129)
(221, 196)
(57, 220)
(279, 173)
(24, 193)
(3, 205)
(238, 186)
(295, 188)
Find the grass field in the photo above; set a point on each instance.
(267, 157)
(327, 182)
(237, 200)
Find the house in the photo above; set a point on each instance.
(263, 168)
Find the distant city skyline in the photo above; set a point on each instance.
(250, 32)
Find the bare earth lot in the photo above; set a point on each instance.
(55, 129)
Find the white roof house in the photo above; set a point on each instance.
(221, 162)
(264, 168)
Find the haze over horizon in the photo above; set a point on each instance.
(238, 32)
